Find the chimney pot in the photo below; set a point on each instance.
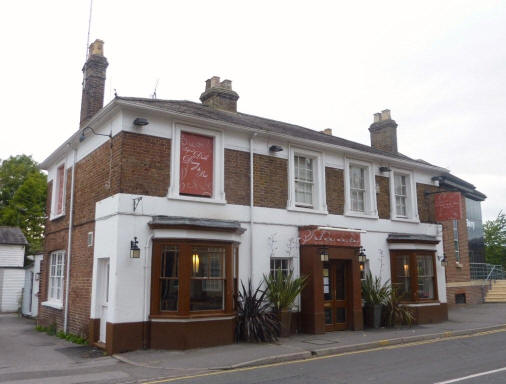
(327, 131)
(96, 48)
(377, 117)
(385, 114)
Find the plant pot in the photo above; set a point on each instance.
(285, 322)
(372, 315)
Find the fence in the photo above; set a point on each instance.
(484, 271)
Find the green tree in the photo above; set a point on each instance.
(23, 191)
(495, 240)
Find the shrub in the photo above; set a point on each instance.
(395, 312)
(283, 289)
(373, 292)
(255, 320)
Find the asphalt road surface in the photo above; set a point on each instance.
(467, 360)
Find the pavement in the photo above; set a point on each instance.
(463, 320)
(28, 356)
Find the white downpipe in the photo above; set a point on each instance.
(251, 205)
(69, 247)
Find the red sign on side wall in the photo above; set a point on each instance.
(448, 206)
(196, 165)
(327, 237)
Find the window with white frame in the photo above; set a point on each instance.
(306, 181)
(357, 188)
(58, 198)
(55, 287)
(401, 195)
(282, 265)
(303, 181)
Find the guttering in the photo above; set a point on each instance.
(69, 246)
(251, 203)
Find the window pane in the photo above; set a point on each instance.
(425, 268)
(208, 262)
(169, 262)
(169, 289)
(401, 270)
(206, 294)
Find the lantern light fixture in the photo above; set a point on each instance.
(135, 251)
(443, 260)
(362, 258)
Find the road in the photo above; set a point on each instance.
(27, 356)
(467, 360)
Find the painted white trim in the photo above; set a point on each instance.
(370, 208)
(191, 320)
(410, 246)
(52, 304)
(319, 190)
(218, 164)
(423, 305)
(195, 235)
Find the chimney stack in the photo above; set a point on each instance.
(94, 81)
(327, 131)
(384, 132)
(220, 95)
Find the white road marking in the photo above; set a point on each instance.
(471, 376)
(74, 379)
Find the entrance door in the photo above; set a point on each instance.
(335, 295)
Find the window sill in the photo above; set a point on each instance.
(406, 220)
(57, 216)
(52, 304)
(422, 303)
(208, 200)
(361, 215)
(307, 210)
(193, 317)
(459, 265)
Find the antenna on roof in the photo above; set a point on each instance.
(87, 42)
(153, 96)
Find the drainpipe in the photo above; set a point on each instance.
(69, 247)
(251, 205)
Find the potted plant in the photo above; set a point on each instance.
(396, 313)
(282, 289)
(375, 296)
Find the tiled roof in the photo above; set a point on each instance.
(12, 236)
(255, 122)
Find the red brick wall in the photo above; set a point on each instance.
(334, 179)
(237, 177)
(383, 197)
(271, 181)
(474, 294)
(426, 210)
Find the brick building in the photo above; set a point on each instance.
(158, 208)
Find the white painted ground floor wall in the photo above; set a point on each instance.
(12, 281)
(130, 279)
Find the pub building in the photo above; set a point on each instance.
(158, 210)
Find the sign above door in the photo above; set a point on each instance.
(329, 237)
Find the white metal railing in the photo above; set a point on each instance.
(485, 271)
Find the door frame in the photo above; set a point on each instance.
(335, 303)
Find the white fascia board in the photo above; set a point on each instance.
(73, 140)
(183, 117)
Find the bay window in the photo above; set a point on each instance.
(413, 275)
(192, 277)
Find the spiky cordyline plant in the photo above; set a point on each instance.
(396, 313)
(255, 320)
(373, 292)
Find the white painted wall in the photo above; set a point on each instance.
(12, 255)
(32, 282)
(12, 281)
(130, 279)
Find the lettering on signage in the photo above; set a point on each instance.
(196, 165)
(329, 237)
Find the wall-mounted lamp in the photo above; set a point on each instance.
(196, 263)
(135, 251)
(83, 136)
(140, 122)
(275, 148)
(384, 169)
(362, 258)
(443, 260)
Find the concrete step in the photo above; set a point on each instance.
(487, 300)
(496, 297)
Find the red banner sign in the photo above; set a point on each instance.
(448, 206)
(329, 237)
(196, 165)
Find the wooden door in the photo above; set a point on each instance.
(335, 295)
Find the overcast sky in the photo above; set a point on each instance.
(440, 66)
